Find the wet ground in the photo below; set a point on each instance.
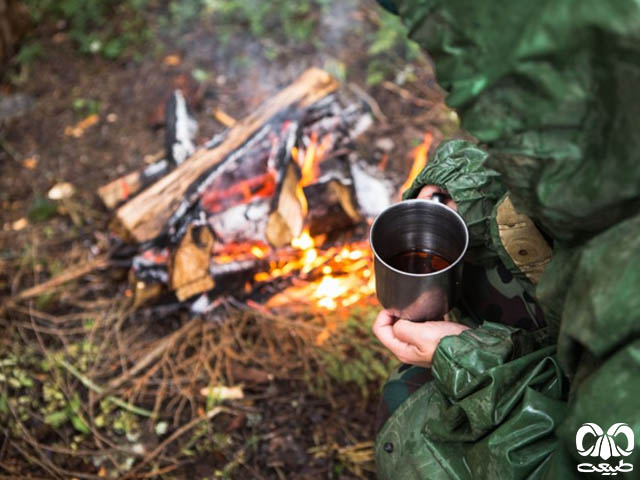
(276, 431)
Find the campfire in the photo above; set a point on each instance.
(274, 212)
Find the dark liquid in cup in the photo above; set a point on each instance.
(418, 261)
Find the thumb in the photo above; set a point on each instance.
(413, 333)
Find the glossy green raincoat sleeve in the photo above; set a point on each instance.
(551, 89)
(490, 412)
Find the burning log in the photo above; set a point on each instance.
(218, 222)
(242, 223)
(332, 207)
(147, 215)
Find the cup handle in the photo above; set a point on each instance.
(439, 197)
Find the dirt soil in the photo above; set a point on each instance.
(296, 419)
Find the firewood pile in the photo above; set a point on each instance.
(279, 201)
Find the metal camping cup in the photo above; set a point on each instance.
(418, 225)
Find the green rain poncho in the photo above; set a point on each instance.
(552, 90)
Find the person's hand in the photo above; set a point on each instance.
(412, 342)
(428, 191)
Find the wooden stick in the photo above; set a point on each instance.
(161, 347)
(69, 274)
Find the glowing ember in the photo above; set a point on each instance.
(258, 252)
(323, 278)
(328, 278)
(303, 242)
(420, 154)
(233, 252)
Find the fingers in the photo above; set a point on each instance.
(428, 191)
(413, 343)
(425, 337)
(383, 329)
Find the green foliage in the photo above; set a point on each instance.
(355, 360)
(200, 75)
(389, 48)
(71, 411)
(276, 23)
(28, 53)
(86, 106)
(89, 23)
(41, 209)
(183, 12)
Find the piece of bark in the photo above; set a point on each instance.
(286, 219)
(146, 215)
(189, 272)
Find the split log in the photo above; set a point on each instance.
(242, 223)
(146, 216)
(180, 129)
(122, 189)
(375, 190)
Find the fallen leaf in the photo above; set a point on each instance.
(102, 472)
(61, 191)
(19, 224)
(221, 392)
(78, 130)
(59, 38)
(172, 60)
(31, 163)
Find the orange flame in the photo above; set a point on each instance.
(420, 156)
(308, 160)
(327, 279)
(335, 277)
